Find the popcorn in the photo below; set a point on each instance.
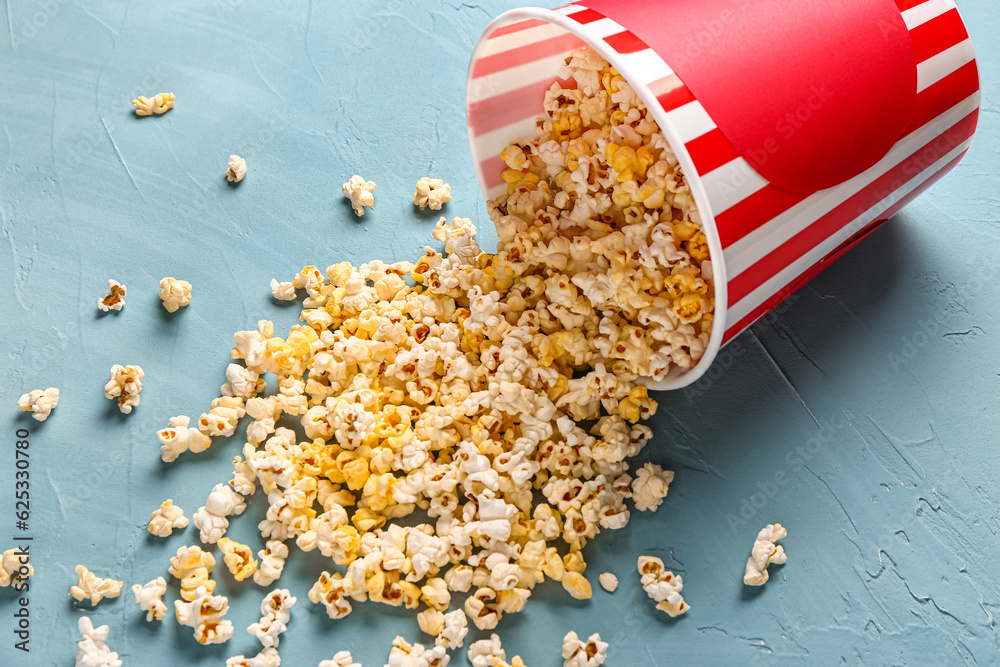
(765, 552)
(237, 169)
(150, 598)
(223, 416)
(361, 193)
(431, 193)
(431, 621)
(282, 291)
(204, 613)
(168, 517)
(268, 657)
(114, 299)
(125, 385)
(93, 588)
(238, 558)
(577, 653)
(193, 567)
(482, 608)
(275, 613)
(330, 592)
(178, 438)
(609, 581)
(650, 486)
(490, 653)
(40, 403)
(158, 104)
(272, 562)
(404, 654)
(662, 586)
(211, 519)
(453, 631)
(15, 568)
(340, 659)
(577, 586)
(91, 651)
(175, 294)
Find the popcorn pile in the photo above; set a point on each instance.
(598, 215)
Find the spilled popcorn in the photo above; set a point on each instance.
(149, 597)
(40, 403)
(158, 104)
(193, 567)
(283, 291)
(361, 193)
(266, 658)
(609, 581)
(662, 585)
(91, 651)
(93, 588)
(237, 169)
(490, 653)
(179, 437)
(175, 294)
(204, 613)
(590, 653)
(276, 612)
(765, 552)
(166, 518)
(15, 568)
(340, 659)
(124, 385)
(114, 299)
(432, 193)
(238, 558)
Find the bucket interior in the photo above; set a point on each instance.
(514, 63)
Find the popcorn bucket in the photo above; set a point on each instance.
(800, 127)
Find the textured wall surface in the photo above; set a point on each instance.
(871, 396)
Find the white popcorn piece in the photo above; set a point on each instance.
(40, 403)
(175, 294)
(204, 613)
(662, 585)
(456, 628)
(276, 612)
(651, 486)
(15, 568)
(237, 169)
(490, 653)
(167, 518)
(609, 581)
(404, 654)
(765, 552)
(149, 597)
(179, 437)
(361, 193)
(223, 417)
(92, 651)
(577, 653)
(268, 657)
(340, 659)
(124, 385)
(211, 519)
(282, 291)
(158, 104)
(431, 193)
(94, 588)
(114, 299)
(272, 562)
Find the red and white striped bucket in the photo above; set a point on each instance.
(801, 127)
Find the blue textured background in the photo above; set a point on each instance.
(889, 463)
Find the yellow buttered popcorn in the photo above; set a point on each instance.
(158, 104)
(238, 558)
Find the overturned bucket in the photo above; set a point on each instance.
(800, 127)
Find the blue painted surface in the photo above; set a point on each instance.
(881, 429)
